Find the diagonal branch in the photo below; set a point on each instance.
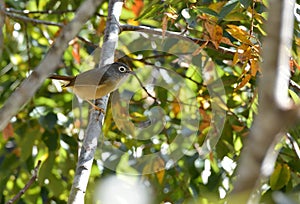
(51, 61)
(157, 31)
(27, 19)
(2, 19)
(26, 187)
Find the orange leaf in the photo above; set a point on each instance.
(244, 81)
(254, 65)
(137, 7)
(293, 64)
(75, 51)
(237, 128)
(175, 107)
(206, 119)
(160, 176)
(8, 131)
(101, 27)
(159, 164)
(215, 33)
(199, 49)
(226, 41)
(235, 58)
(164, 25)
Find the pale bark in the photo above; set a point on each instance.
(94, 128)
(276, 111)
(48, 65)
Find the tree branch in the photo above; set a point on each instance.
(26, 187)
(94, 128)
(2, 18)
(276, 111)
(156, 31)
(27, 19)
(51, 61)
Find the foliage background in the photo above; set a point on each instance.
(48, 129)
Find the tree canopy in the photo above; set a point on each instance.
(180, 127)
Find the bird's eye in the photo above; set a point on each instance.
(122, 69)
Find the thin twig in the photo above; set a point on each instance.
(156, 31)
(26, 12)
(2, 17)
(294, 143)
(294, 84)
(31, 20)
(28, 184)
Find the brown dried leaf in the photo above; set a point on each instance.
(8, 131)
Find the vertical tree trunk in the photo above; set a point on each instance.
(94, 127)
(275, 111)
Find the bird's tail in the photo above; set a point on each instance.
(60, 77)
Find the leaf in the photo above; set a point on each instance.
(294, 96)
(101, 27)
(245, 3)
(254, 67)
(235, 57)
(46, 168)
(244, 81)
(164, 25)
(280, 176)
(200, 48)
(215, 33)
(8, 131)
(217, 7)
(48, 121)
(236, 16)
(51, 139)
(137, 7)
(238, 128)
(208, 11)
(227, 9)
(75, 51)
(239, 34)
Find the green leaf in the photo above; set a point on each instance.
(48, 121)
(294, 96)
(227, 9)
(51, 139)
(246, 3)
(46, 168)
(280, 176)
(208, 11)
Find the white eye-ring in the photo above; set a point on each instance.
(122, 69)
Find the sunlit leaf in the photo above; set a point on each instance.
(239, 34)
(244, 81)
(227, 9)
(137, 7)
(280, 176)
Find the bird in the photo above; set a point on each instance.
(98, 82)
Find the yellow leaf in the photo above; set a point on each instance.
(254, 67)
(244, 81)
(239, 34)
(280, 176)
(235, 58)
(217, 7)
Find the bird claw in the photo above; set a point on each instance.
(96, 107)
